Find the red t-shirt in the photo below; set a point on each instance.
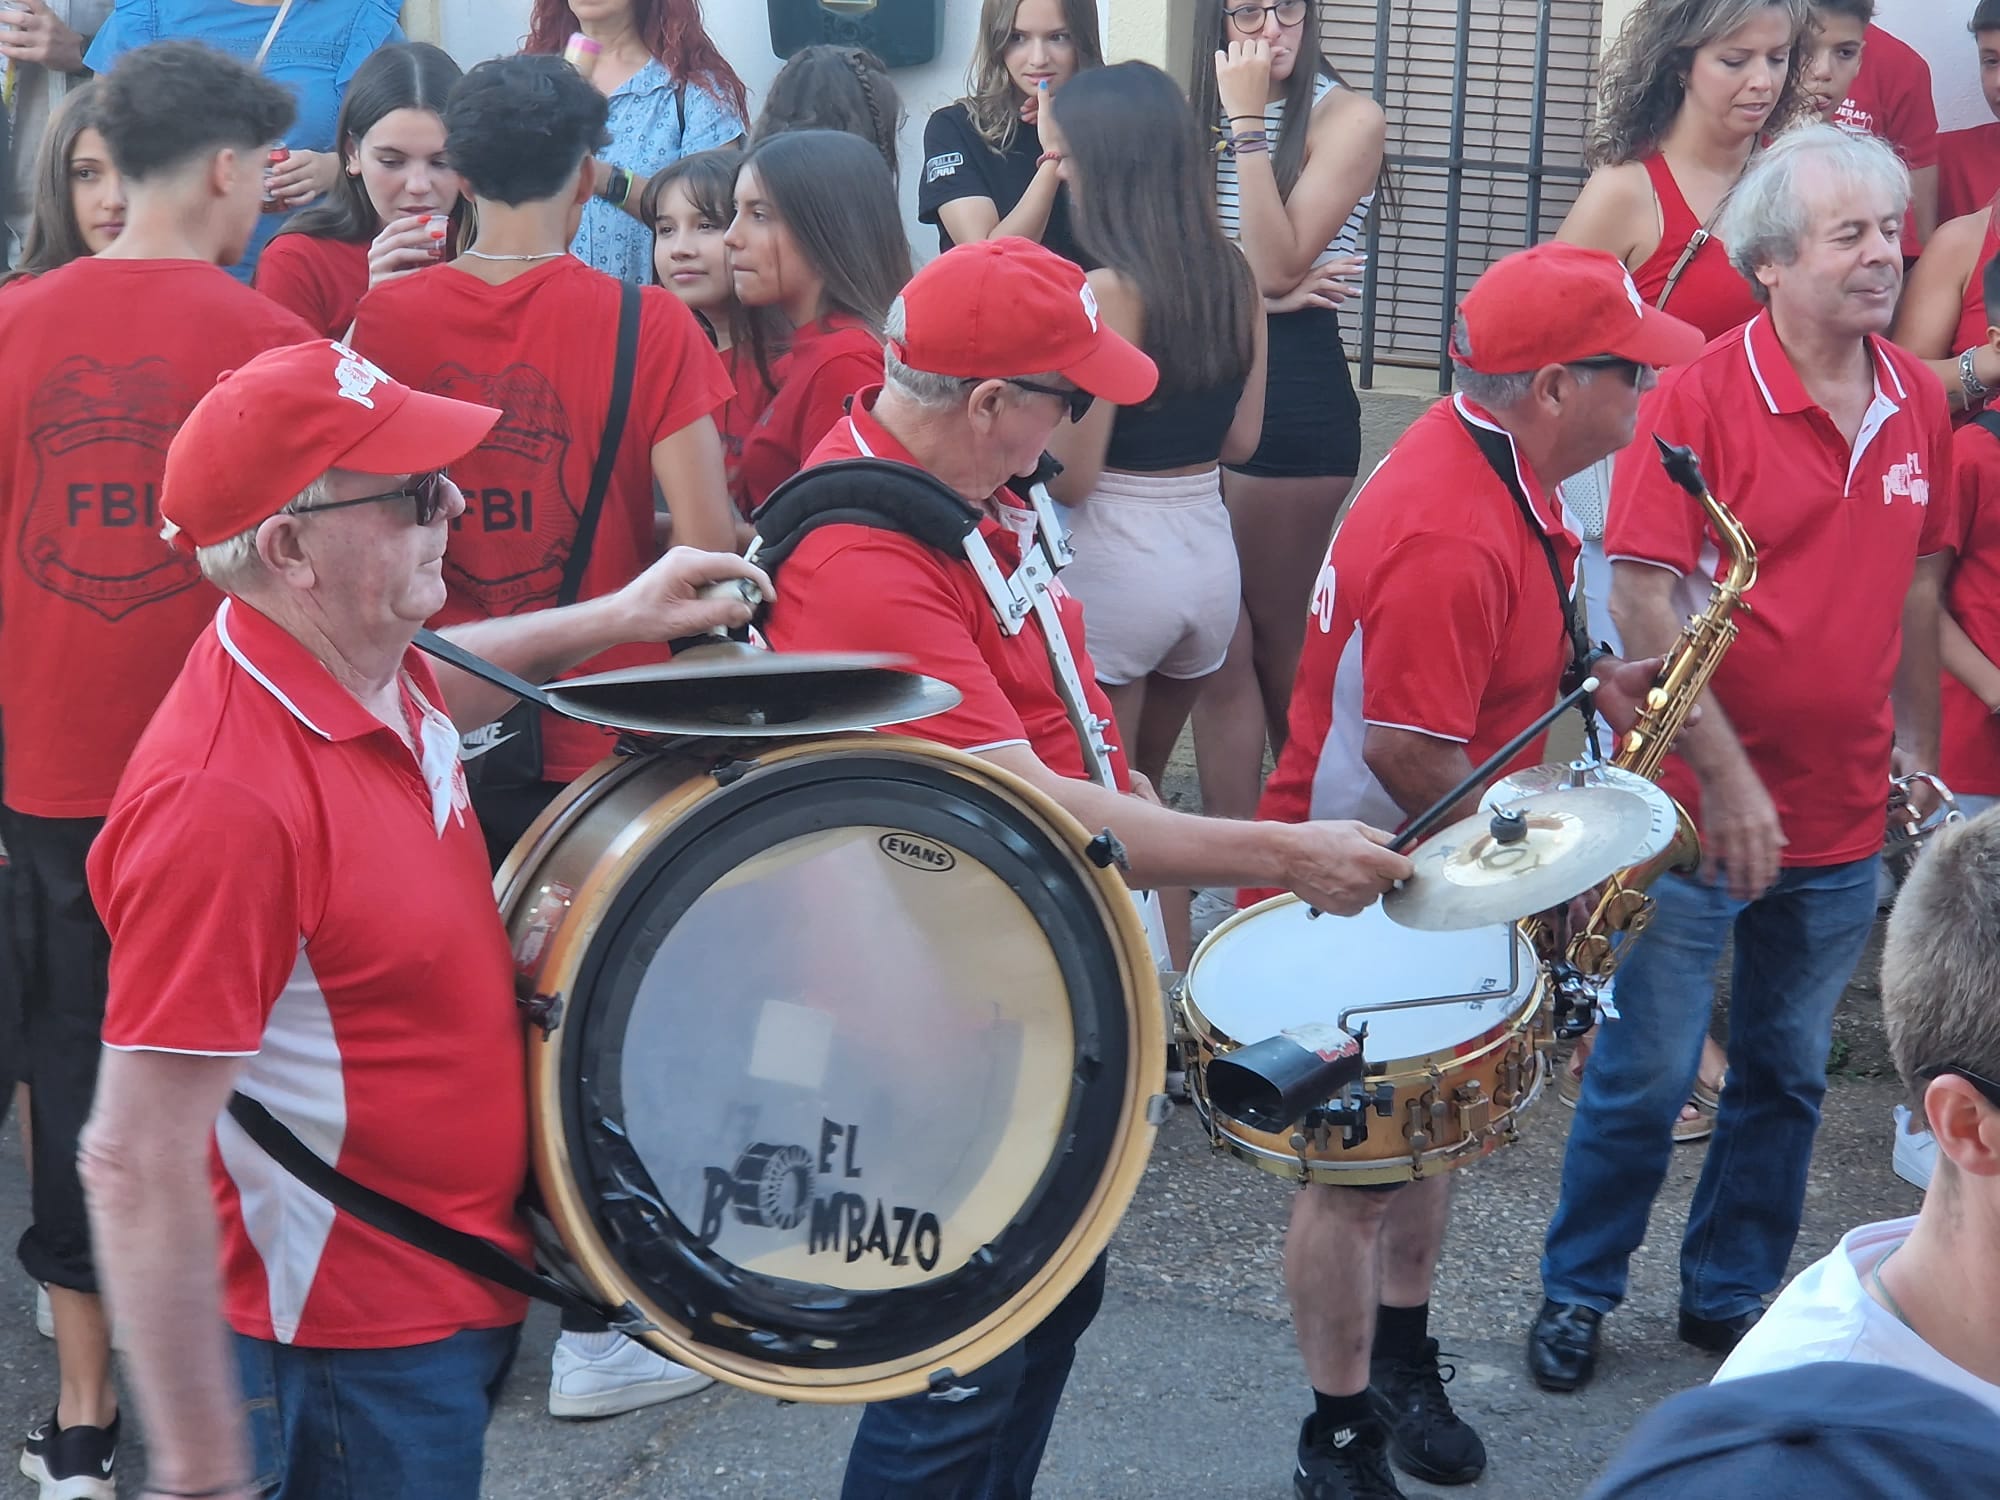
(1970, 750)
(1968, 169)
(861, 588)
(1891, 98)
(1972, 320)
(1838, 534)
(1435, 612)
(1711, 293)
(540, 348)
(286, 882)
(319, 279)
(740, 413)
(103, 360)
(828, 362)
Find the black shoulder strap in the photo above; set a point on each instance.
(397, 1220)
(1497, 450)
(1989, 418)
(862, 492)
(478, 666)
(623, 365)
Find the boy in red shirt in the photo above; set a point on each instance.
(1969, 159)
(1887, 94)
(518, 323)
(104, 359)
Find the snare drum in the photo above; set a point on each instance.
(1456, 1038)
(850, 1056)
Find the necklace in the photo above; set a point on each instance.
(1888, 1298)
(486, 255)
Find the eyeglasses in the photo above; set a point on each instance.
(426, 491)
(1985, 1086)
(1079, 401)
(1639, 377)
(1249, 19)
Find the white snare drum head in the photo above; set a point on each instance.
(1276, 966)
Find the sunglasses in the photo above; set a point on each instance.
(1249, 19)
(1985, 1086)
(1078, 401)
(426, 492)
(1633, 373)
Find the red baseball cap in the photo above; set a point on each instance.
(271, 428)
(1556, 303)
(996, 309)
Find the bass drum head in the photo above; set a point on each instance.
(855, 1060)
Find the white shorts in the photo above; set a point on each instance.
(1156, 571)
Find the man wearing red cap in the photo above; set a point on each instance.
(100, 361)
(1833, 449)
(300, 908)
(988, 349)
(1442, 625)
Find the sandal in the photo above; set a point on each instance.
(1705, 1100)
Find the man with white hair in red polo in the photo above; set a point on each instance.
(300, 908)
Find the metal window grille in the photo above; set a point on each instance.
(1487, 104)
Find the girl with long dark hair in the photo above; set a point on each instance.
(987, 173)
(690, 204)
(1298, 159)
(826, 87)
(79, 201)
(818, 239)
(1155, 564)
(395, 207)
(672, 93)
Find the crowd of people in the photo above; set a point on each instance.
(520, 351)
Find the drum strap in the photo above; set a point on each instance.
(399, 1221)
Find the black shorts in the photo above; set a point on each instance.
(1312, 418)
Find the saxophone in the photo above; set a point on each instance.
(1582, 965)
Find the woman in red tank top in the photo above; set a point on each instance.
(1943, 312)
(1687, 92)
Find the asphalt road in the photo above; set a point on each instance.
(1188, 1385)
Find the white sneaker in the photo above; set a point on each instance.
(1210, 908)
(584, 1383)
(1916, 1149)
(45, 1315)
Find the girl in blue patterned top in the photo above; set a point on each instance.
(672, 94)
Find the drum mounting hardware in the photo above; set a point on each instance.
(1106, 850)
(946, 1386)
(1508, 827)
(544, 1012)
(729, 772)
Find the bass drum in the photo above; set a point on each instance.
(849, 1057)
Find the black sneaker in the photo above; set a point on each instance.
(1426, 1437)
(71, 1463)
(1349, 1463)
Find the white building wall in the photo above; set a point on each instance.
(1936, 28)
(478, 29)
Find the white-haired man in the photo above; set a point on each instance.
(299, 904)
(989, 348)
(1833, 448)
(1923, 1294)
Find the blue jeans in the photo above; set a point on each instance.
(1796, 948)
(988, 1446)
(373, 1424)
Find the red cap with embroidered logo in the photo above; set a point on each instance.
(996, 309)
(1556, 303)
(268, 430)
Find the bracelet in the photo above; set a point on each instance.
(1976, 390)
(1247, 142)
(1048, 156)
(1258, 118)
(617, 187)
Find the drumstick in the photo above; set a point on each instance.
(1433, 815)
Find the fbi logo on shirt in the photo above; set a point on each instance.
(91, 532)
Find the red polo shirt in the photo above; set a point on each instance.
(286, 882)
(828, 362)
(1838, 533)
(1435, 612)
(1970, 758)
(861, 588)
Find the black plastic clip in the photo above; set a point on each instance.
(1105, 850)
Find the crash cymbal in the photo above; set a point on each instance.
(1535, 853)
(1534, 779)
(731, 688)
